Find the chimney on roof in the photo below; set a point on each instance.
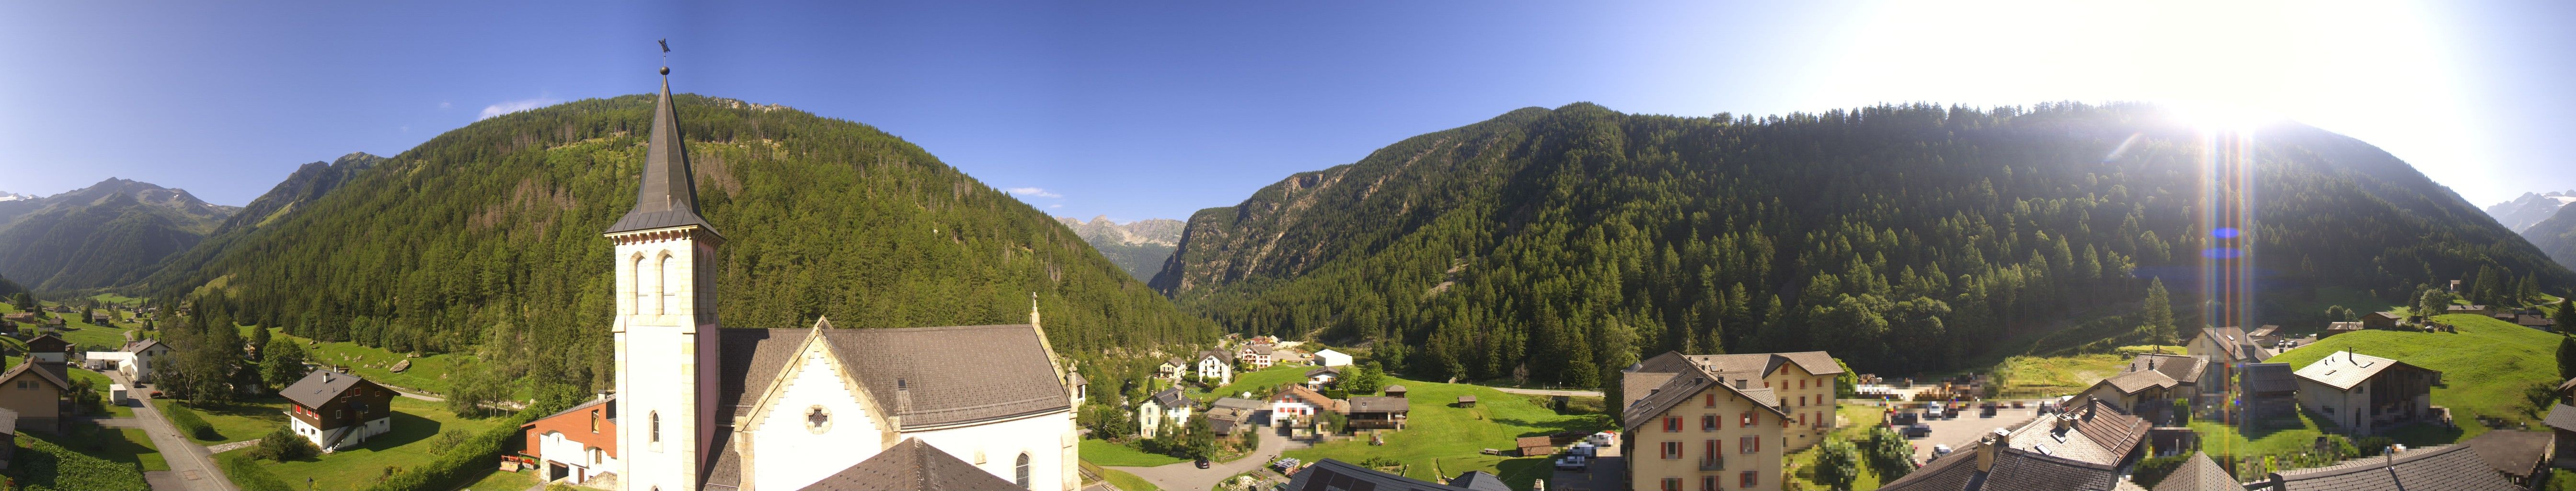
(1986, 450)
(603, 395)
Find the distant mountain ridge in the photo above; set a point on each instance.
(1139, 247)
(308, 183)
(2523, 212)
(2556, 236)
(101, 235)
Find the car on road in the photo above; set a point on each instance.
(1202, 462)
(1918, 430)
(1940, 450)
(1571, 463)
(1933, 413)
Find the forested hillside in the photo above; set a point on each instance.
(1562, 244)
(308, 183)
(107, 234)
(2556, 236)
(487, 240)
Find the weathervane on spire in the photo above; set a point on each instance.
(666, 55)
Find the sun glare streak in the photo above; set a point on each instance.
(2228, 195)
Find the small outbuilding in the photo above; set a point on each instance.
(1395, 391)
(1330, 358)
(1466, 401)
(1536, 446)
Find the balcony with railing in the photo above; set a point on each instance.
(1712, 463)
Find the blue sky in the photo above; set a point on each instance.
(1139, 110)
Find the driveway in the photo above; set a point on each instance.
(192, 468)
(1187, 476)
(1959, 432)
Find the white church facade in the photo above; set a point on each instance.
(703, 407)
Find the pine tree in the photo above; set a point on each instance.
(2566, 357)
(2567, 315)
(2157, 314)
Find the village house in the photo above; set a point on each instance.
(20, 317)
(8, 437)
(2442, 467)
(1257, 356)
(1703, 429)
(1319, 378)
(576, 444)
(2151, 382)
(2521, 457)
(1172, 369)
(1229, 415)
(1393, 391)
(141, 357)
(337, 410)
(2228, 350)
(705, 407)
(2468, 309)
(1804, 382)
(2085, 447)
(1216, 367)
(1330, 358)
(34, 390)
(101, 317)
(1296, 402)
(2382, 320)
(2365, 394)
(1165, 409)
(1330, 474)
(1377, 413)
(2562, 426)
(2333, 328)
(49, 349)
(2267, 390)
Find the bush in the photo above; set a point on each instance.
(1887, 452)
(1837, 464)
(44, 466)
(284, 445)
(248, 475)
(464, 463)
(188, 421)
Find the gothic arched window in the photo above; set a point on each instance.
(665, 284)
(635, 268)
(655, 426)
(653, 291)
(1024, 471)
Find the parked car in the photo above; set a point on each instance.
(1934, 412)
(1571, 463)
(1203, 463)
(1940, 450)
(1918, 430)
(1904, 419)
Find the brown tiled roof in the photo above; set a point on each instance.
(2199, 474)
(955, 374)
(139, 346)
(2514, 453)
(2115, 431)
(1682, 387)
(1309, 396)
(2023, 470)
(912, 466)
(1954, 472)
(317, 388)
(1534, 441)
(2563, 417)
(2445, 468)
(48, 344)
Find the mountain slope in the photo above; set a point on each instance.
(308, 183)
(1560, 244)
(101, 235)
(486, 240)
(2521, 213)
(1139, 247)
(2556, 236)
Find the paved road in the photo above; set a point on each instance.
(192, 468)
(1187, 476)
(1963, 430)
(1550, 392)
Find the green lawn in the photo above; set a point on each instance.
(1112, 454)
(2218, 438)
(2031, 376)
(412, 442)
(505, 481)
(2485, 367)
(116, 299)
(1440, 441)
(1128, 482)
(1259, 381)
(127, 445)
(244, 420)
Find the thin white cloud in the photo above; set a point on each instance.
(444, 105)
(1057, 205)
(1038, 192)
(506, 107)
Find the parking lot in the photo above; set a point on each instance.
(1965, 429)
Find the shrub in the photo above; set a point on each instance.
(2152, 470)
(284, 445)
(248, 475)
(1837, 464)
(46, 466)
(1888, 452)
(465, 462)
(188, 421)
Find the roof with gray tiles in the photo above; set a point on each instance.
(2514, 453)
(668, 196)
(2445, 468)
(319, 387)
(2345, 369)
(955, 374)
(1681, 387)
(912, 466)
(2180, 368)
(2199, 474)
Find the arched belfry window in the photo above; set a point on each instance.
(1024, 471)
(667, 283)
(654, 284)
(635, 296)
(654, 426)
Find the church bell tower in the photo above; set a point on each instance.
(666, 331)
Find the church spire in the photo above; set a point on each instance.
(669, 195)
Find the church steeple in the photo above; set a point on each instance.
(669, 196)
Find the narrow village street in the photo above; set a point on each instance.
(192, 467)
(1188, 475)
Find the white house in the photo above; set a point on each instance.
(701, 407)
(142, 355)
(1166, 409)
(1330, 358)
(1296, 401)
(1320, 377)
(1216, 366)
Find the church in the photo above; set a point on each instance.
(705, 407)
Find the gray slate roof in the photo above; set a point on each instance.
(8, 422)
(1374, 404)
(317, 388)
(2199, 474)
(2345, 369)
(2269, 378)
(2445, 468)
(2514, 453)
(912, 466)
(2014, 470)
(1170, 397)
(2562, 417)
(668, 196)
(955, 374)
(2180, 368)
(1479, 481)
(1239, 403)
(1682, 387)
